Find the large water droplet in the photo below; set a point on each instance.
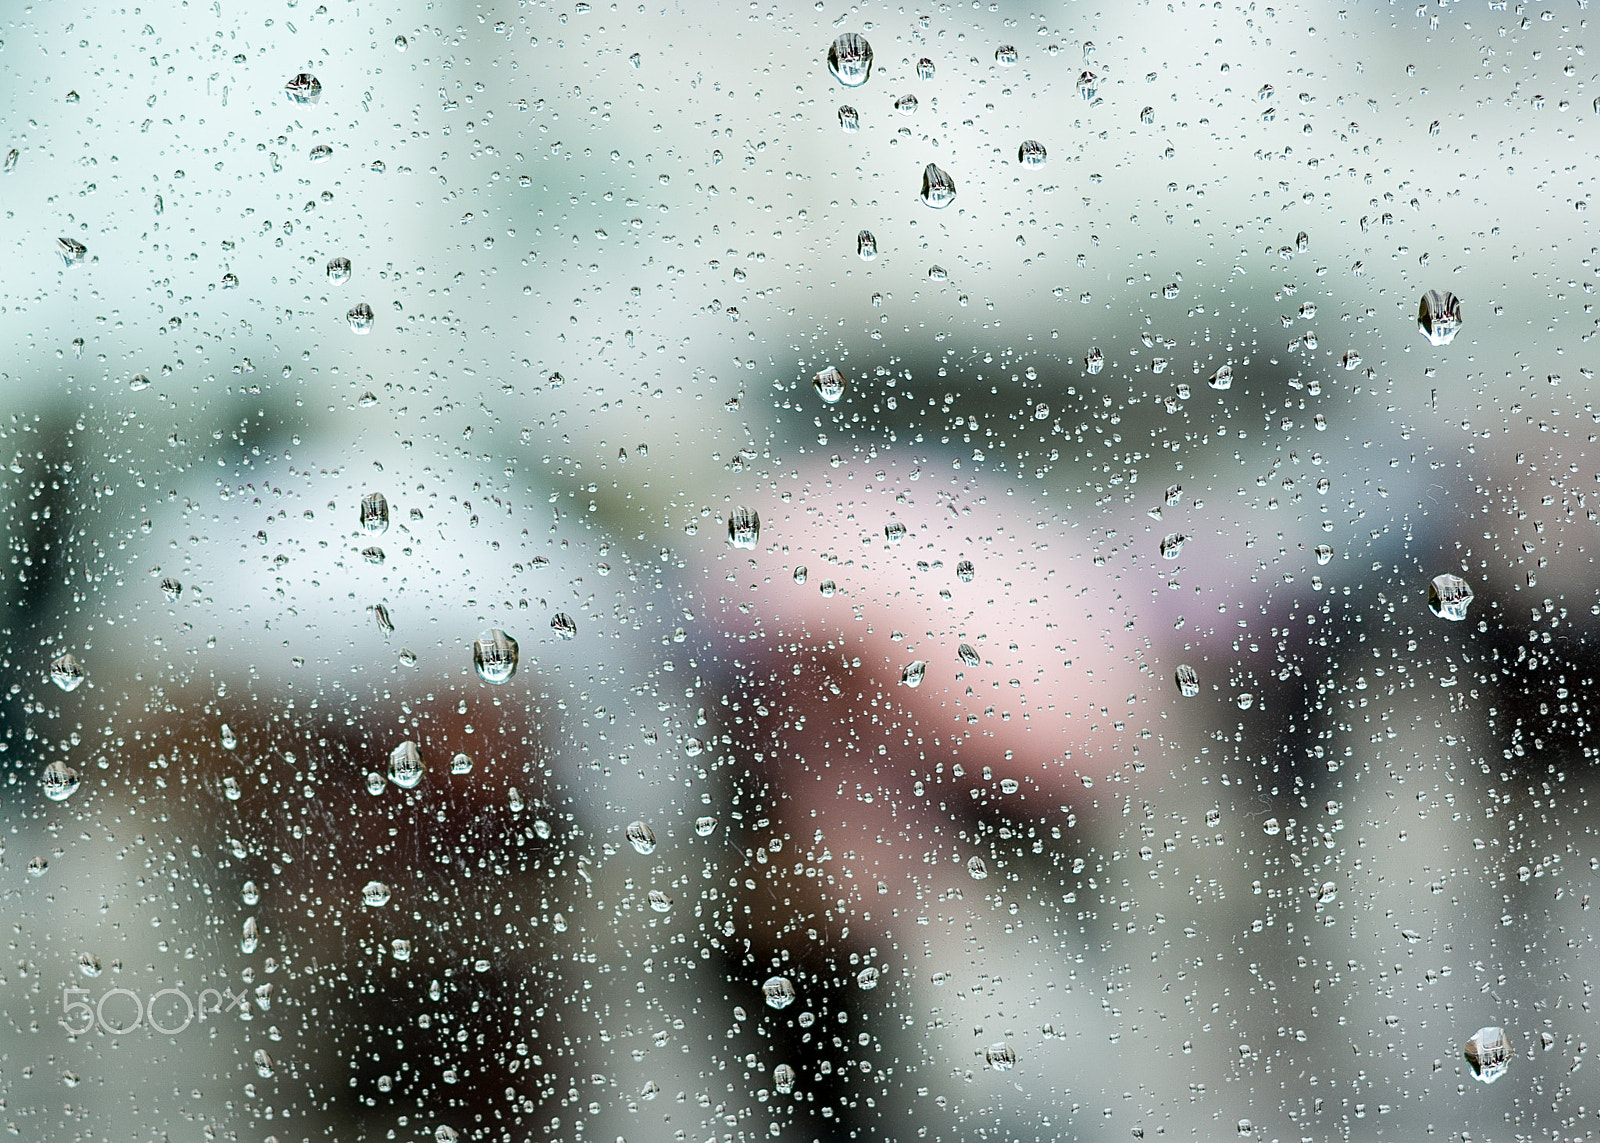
(850, 59)
(494, 656)
(894, 531)
(1188, 680)
(1000, 1057)
(564, 625)
(66, 673)
(60, 781)
(830, 384)
(1449, 596)
(1489, 1053)
(1093, 362)
(406, 767)
(172, 589)
(968, 654)
(71, 250)
(361, 318)
(339, 269)
(866, 246)
(1088, 85)
(977, 868)
(1031, 153)
(374, 512)
(249, 937)
(783, 1079)
(1222, 378)
(906, 104)
(1439, 317)
(867, 979)
(641, 837)
(938, 188)
(1172, 545)
(744, 528)
(660, 901)
(912, 674)
(779, 991)
(374, 894)
(705, 826)
(1006, 55)
(461, 763)
(303, 89)
(965, 571)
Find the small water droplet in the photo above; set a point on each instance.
(1031, 153)
(977, 868)
(924, 68)
(800, 574)
(968, 654)
(1000, 1057)
(906, 104)
(374, 513)
(375, 894)
(564, 625)
(461, 763)
(849, 118)
(783, 1079)
(965, 571)
(321, 153)
(339, 270)
(71, 250)
(264, 1066)
(894, 531)
(1188, 680)
(1222, 378)
(249, 937)
(1006, 55)
(827, 587)
(401, 43)
(249, 893)
(866, 246)
(37, 866)
(912, 674)
(380, 615)
(1271, 827)
(1172, 545)
(1324, 553)
(1088, 85)
(660, 901)
(1094, 361)
(360, 317)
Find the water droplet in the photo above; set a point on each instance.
(494, 656)
(705, 826)
(37, 866)
(321, 153)
(1188, 680)
(249, 893)
(1006, 55)
(227, 737)
(373, 555)
(913, 673)
(1172, 545)
(138, 382)
(400, 949)
(1000, 1057)
(380, 615)
(924, 68)
(71, 250)
(339, 270)
(1222, 378)
(866, 246)
(1324, 553)
(1270, 827)
(850, 59)
(1088, 85)
(249, 937)
(906, 104)
(1489, 1053)
(867, 979)
(783, 1079)
(827, 587)
(641, 837)
(1031, 153)
(231, 788)
(303, 89)
(1246, 700)
(830, 384)
(779, 991)
(1449, 596)
(968, 654)
(965, 571)
(894, 531)
(660, 901)
(1439, 317)
(11, 159)
(264, 1066)
(360, 317)
(849, 118)
(1094, 361)
(977, 868)
(375, 894)
(800, 574)
(374, 512)
(400, 43)
(406, 767)
(1147, 115)
(563, 625)
(938, 188)
(461, 763)
(172, 589)
(66, 673)
(744, 528)
(1302, 243)
(60, 781)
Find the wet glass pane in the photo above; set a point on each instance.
(721, 572)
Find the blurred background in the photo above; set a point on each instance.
(1037, 728)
